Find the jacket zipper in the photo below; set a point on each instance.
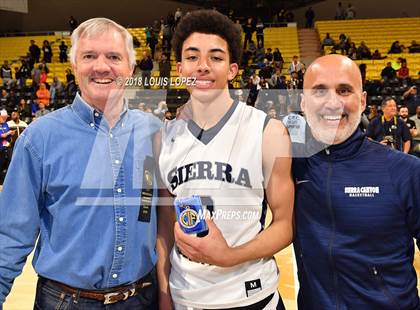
(381, 281)
(332, 239)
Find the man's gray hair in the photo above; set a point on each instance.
(97, 26)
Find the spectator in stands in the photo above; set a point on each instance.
(248, 30)
(136, 42)
(35, 53)
(177, 16)
(24, 73)
(340, 12)
(414, 47)
(63, 52)
(146, 67)
(388, 73)
(278, 59)
(5, 138)
(41, 111)
(55, 88)
(301, 72)
(165, 67)
(373, 112)
(403, 72)
(17, 126)
(412, 100)
(295, 124)
(259, 30)
(363, 51)
(166, 37)
(416, 138)
(73, 24)
(272, 113)
(333, 51)
(310, 16)
(403, 113)
(152, 45)
(266, 71)
(13, 101)
(252, 50)
(148, 32)
(36, 75)
(269, 56)
(43, 95)
(4, 99)
(70, 76)
(377, 55)
(156, 28)
(259, 59)
(396, 48)
(43, 77)
(397, 64)
(47, 50)
(290, 17)
(327, 41)
(25, 110)
(342, 44)
(352, 51)
(388, 129)
(295, 66)
(278, 81)
(6, 74)
(294, 86)
(141, 106)
(350, 12)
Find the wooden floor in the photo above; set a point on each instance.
(23, 292)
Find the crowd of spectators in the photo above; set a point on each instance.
(262, 83)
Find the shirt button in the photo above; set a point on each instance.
(119, 248)
(117, 161)
(96, 114)
(92, 125)
(115, 276)
(119, 190)
(121, 219)
(111, 135)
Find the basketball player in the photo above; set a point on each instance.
(227, 154)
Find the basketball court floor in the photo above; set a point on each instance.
(23, 291)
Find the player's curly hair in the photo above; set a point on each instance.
(208, 22)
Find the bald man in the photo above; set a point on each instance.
(357, 203)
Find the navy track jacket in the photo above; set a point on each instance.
(357, 210)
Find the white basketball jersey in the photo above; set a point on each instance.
(223, 165)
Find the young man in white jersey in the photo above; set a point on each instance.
(232, 156)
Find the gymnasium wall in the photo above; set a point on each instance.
(54, 14)
(364, 9)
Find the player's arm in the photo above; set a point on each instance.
(165, 234)
(280, 196)
(406, 138)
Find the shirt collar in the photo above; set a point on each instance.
(90, 115)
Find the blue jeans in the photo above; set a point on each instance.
(51, 297)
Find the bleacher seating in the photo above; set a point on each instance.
(378, 34)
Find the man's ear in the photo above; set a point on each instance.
(179, 68)
(233, 71)
(363, 100)
(302, 102)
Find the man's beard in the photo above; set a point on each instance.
(333, 136)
